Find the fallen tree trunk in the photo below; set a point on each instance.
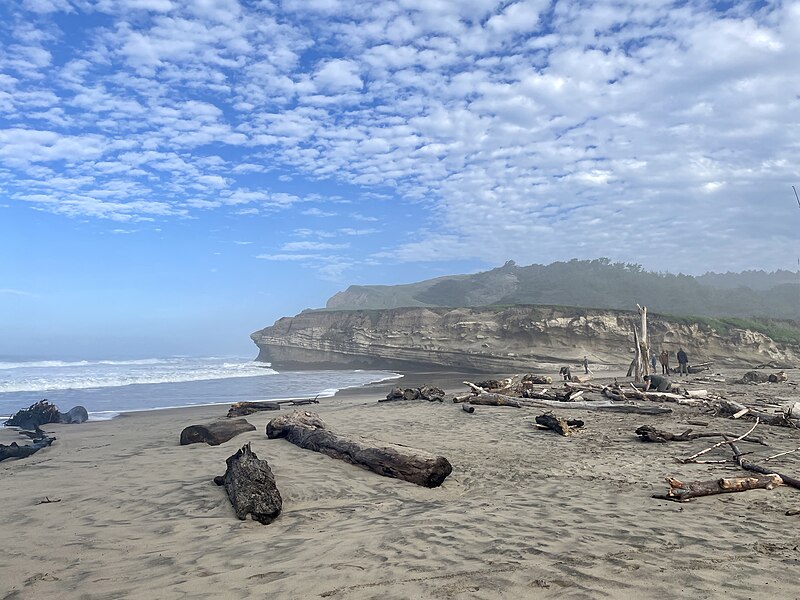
(565, 427)
(250, 485)
(491, 399)
(241, 409)
(13, 450)
(307, 430)
(586, 405)
(215, 433)
(748, 466)
(730, 408)
(650, 434)
(680, 491)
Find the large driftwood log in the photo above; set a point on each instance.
(242, 409)
(307, 430)
(587, 405)
(39, 440)
(730, 408)
(565, 427)
(748, 466)
(215, 433)
(680, 491)
(42, 413)
(251, 486)
(650, 434)
(490, 399)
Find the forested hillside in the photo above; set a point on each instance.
(595, 284)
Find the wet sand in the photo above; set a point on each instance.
(525, 513)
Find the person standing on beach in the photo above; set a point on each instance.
(653, 361)
(585, 364)
(683, 362)
(664, 359)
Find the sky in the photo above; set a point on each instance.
(176, 175)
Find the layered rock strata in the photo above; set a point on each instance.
(490, 339)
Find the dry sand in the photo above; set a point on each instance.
(525, 513)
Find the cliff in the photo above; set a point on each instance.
(507, 339)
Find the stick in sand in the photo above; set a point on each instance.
(718, 444)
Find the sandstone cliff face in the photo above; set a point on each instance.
(517, 338)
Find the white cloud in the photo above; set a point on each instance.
(498, 122)
(295, 246)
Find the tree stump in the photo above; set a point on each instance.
(565, 427)
(215, 433)
(250, 485)
(306, 430)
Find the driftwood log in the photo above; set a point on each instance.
(242, 409)
(42, 413)
(565, 427)
(748, 466)
(426, 392)
(680, 491)
(215, 433)
(39, 440)
(729, 408)
(650, 434)
(307, 430)
(251, 487)
(466, 407)
(579, 405)
(490, 399)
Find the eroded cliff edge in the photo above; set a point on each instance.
(489, 339)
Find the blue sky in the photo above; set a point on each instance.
(175, 175)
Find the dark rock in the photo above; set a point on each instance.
(74, 416)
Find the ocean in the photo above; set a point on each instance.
(107, 388)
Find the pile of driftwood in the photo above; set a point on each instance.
(680, 491)
(426, 392)
(250, 483)
(29, 420)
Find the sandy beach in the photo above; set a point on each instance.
(524, 514)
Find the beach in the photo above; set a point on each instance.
(525, 513)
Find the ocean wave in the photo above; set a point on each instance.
(123, 375)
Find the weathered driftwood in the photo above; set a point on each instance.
(650, 434)
(215, 433)
(39, 440)
(42, 413)
(490, 399)
(730, 408)
(462, 398)
(587, 405)
(251, 487)
(425, 392)
(241, 409)
(748, 466)
(307, 430)
(726, 440)
(565, 427)
(468, 408)
(680, 491)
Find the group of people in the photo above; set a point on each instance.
(661, 383)
(663, 358)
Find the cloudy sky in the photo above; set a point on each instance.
(176, 174)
